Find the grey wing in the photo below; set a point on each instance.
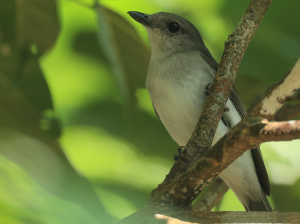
(261, 171)
(235, 99)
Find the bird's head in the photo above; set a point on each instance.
(169, 33)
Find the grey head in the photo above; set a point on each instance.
(170, 33)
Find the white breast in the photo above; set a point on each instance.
(177, 89)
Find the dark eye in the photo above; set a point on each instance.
(173, 27)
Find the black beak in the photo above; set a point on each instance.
(140, 18)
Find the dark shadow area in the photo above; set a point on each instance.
(286, 198)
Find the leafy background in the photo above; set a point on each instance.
(79, 140)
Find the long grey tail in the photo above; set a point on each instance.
(263, 205)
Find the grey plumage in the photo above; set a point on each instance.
(180, 68)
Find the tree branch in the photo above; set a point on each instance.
(277, 94)
(238, 217)
(295, 97)
(169, 214)
(213, 193)
(248, 134)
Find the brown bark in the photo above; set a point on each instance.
(213, 193)
(277, 95)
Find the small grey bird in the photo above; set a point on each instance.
(180, 69)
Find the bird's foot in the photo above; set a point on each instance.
(180, 156)
(208, 86)
(207, 89)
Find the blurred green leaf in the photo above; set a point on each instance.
(27, 30)
(28, 22)
(40, 187)
(286, 198)
(87, 43)
(124, 49)
(276, 45)
(42, 158)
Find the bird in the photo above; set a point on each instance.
(180, 71)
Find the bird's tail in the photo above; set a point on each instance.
(262, 205)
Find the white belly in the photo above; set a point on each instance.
(179, 108)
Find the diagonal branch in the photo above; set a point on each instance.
(295, 97)
(246, 135)
(213, 193)
(277, 94)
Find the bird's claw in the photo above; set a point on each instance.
(208, 86)
(226, 109)
(181, 149)
(207, 89)
(180, 156)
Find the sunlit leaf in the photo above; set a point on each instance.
(37, 181)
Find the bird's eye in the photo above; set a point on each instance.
(173, 27)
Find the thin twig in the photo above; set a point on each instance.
(213, 193)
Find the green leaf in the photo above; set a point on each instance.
(127, 54)
(28, 22)
(37, 174)
(27, 30)
(36, 177)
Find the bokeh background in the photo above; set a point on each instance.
(79, 140)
